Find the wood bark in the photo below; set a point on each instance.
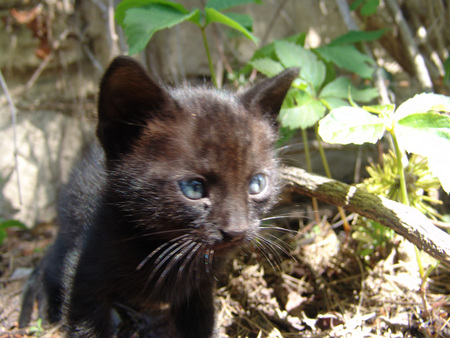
(404, 220)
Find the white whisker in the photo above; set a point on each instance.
(158, 249)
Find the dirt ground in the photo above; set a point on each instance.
(309, 283)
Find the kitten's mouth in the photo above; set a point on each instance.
(227, 246)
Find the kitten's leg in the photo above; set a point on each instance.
(194, 318)
(31, 291)
(87, 309)
(87, 316)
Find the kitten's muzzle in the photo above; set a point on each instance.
(231, 239)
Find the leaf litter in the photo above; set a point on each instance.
(320, 288)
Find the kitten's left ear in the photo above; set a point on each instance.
(268, 95)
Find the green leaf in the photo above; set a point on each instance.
(267, 66)
(142, 22)
(212, 15)
(339, 88)
(12, 223)
(8, 224)
(347, 125)
(224, 4)
(439, 164)
(426, 134)
(125, 5)
(422, 103)
(348, 57)
(269, 49)
(385, 110)
(311, 68)
(355, 4)
(333, 102)
(288, 53)
(370, 7)
(300, 111)
(357, 36)
(243, 19)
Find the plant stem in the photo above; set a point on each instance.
(306, 147)
(341, 211)
(208, 54)
(315, 203)
(404, 200)
(322, 152)
(398, 154)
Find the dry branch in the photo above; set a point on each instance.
(412, 50)
(406, 221)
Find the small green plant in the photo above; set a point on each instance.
(371, 236)
(415, 127)
(140, 19)
(365, 7)
(5, 224)
(420, 182)
(384, 180)
(317, 89)
(37, 329)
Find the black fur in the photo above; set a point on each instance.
(128, 234)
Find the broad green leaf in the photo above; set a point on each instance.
(422, 103)
(8, 224)
(347, 125)
(364, 95)
(224, 4)
(370, 7)
(288, 53)
(355, 4)
(426, 134)
(333, 102)
(267, 66)
(212, 15)
(142, 22)
(311, 68)
(12, 223)
(339, 88)
(300, 84)
(269, 49)
(350, 58)
(439, 164)
(300, 111)
(385, 110)
(125, 5)
(357, 36)
(243, 19)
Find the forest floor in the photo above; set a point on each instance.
(312, 284)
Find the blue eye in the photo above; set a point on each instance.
(193, 189)
(257, 184)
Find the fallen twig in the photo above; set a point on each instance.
(406, 221)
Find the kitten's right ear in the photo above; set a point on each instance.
(268, 95)
(128, 97)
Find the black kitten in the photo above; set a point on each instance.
(150, 215)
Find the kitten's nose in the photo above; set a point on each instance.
(231, 235)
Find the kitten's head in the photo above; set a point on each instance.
(190, 165)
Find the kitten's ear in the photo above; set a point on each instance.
(268, 95)
(128, 97)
